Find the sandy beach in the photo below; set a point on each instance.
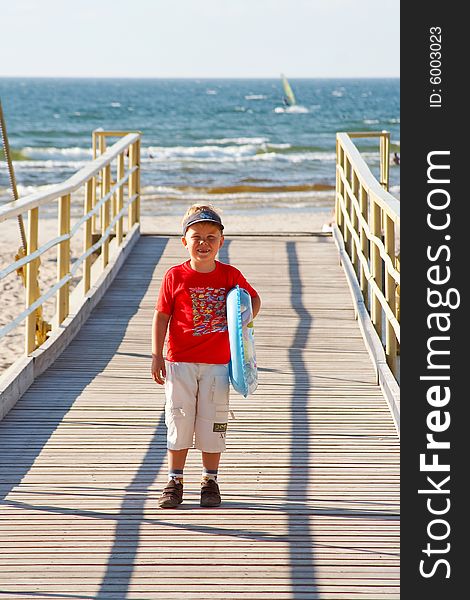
(12, 290)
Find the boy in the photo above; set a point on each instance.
(192, 300)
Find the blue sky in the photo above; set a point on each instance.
(200, 38)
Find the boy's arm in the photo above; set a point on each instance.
(159, 327)
(255, 305)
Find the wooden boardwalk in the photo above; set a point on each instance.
(309, 481)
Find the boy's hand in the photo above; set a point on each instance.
(256, 305)
(158, 369)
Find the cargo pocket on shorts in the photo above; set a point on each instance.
(173, 413)
(220, 401)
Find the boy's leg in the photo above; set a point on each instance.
(211, 460)
(180, 409)
(211, 427)
(177, 459)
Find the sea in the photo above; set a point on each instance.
(231, 142)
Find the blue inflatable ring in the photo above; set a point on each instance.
(242, 368)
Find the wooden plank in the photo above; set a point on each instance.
(310, 481)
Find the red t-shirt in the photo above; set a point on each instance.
(196, 302)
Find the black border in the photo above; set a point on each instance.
(425, 129)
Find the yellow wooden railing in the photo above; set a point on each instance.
(367, 219)
(109, 188)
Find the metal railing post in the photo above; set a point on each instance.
(346, 203)
(63, 258)
(364, 205)
(132, 185)
(87, 238)
(376, 264)
(105, 215)
(354, 221)
(385, 159)
(339, 187)
(390, 295)
(137, 183)
(119, 198)
(32, 286)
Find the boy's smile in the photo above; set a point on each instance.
(203, 241)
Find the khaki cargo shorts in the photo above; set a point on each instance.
(196, 409)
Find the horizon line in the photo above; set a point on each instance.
(193, 77)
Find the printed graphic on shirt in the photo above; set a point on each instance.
(208, 310)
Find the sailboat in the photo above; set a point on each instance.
(289, 98)
(289, 101)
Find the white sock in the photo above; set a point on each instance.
(209, 474)
(176, 474)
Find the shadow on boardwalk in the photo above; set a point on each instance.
(299, 458)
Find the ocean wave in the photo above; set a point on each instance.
(371, 156)
(297, 109)
(255, 97)
(23, 190)
(49, 165)
(296, 157)
(223, 150)
(53, 153)
(279, 146)
(26, 190)
(237, 140)
(238, 153)
(262, 142)
(171, 153)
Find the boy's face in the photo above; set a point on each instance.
(203, 241)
